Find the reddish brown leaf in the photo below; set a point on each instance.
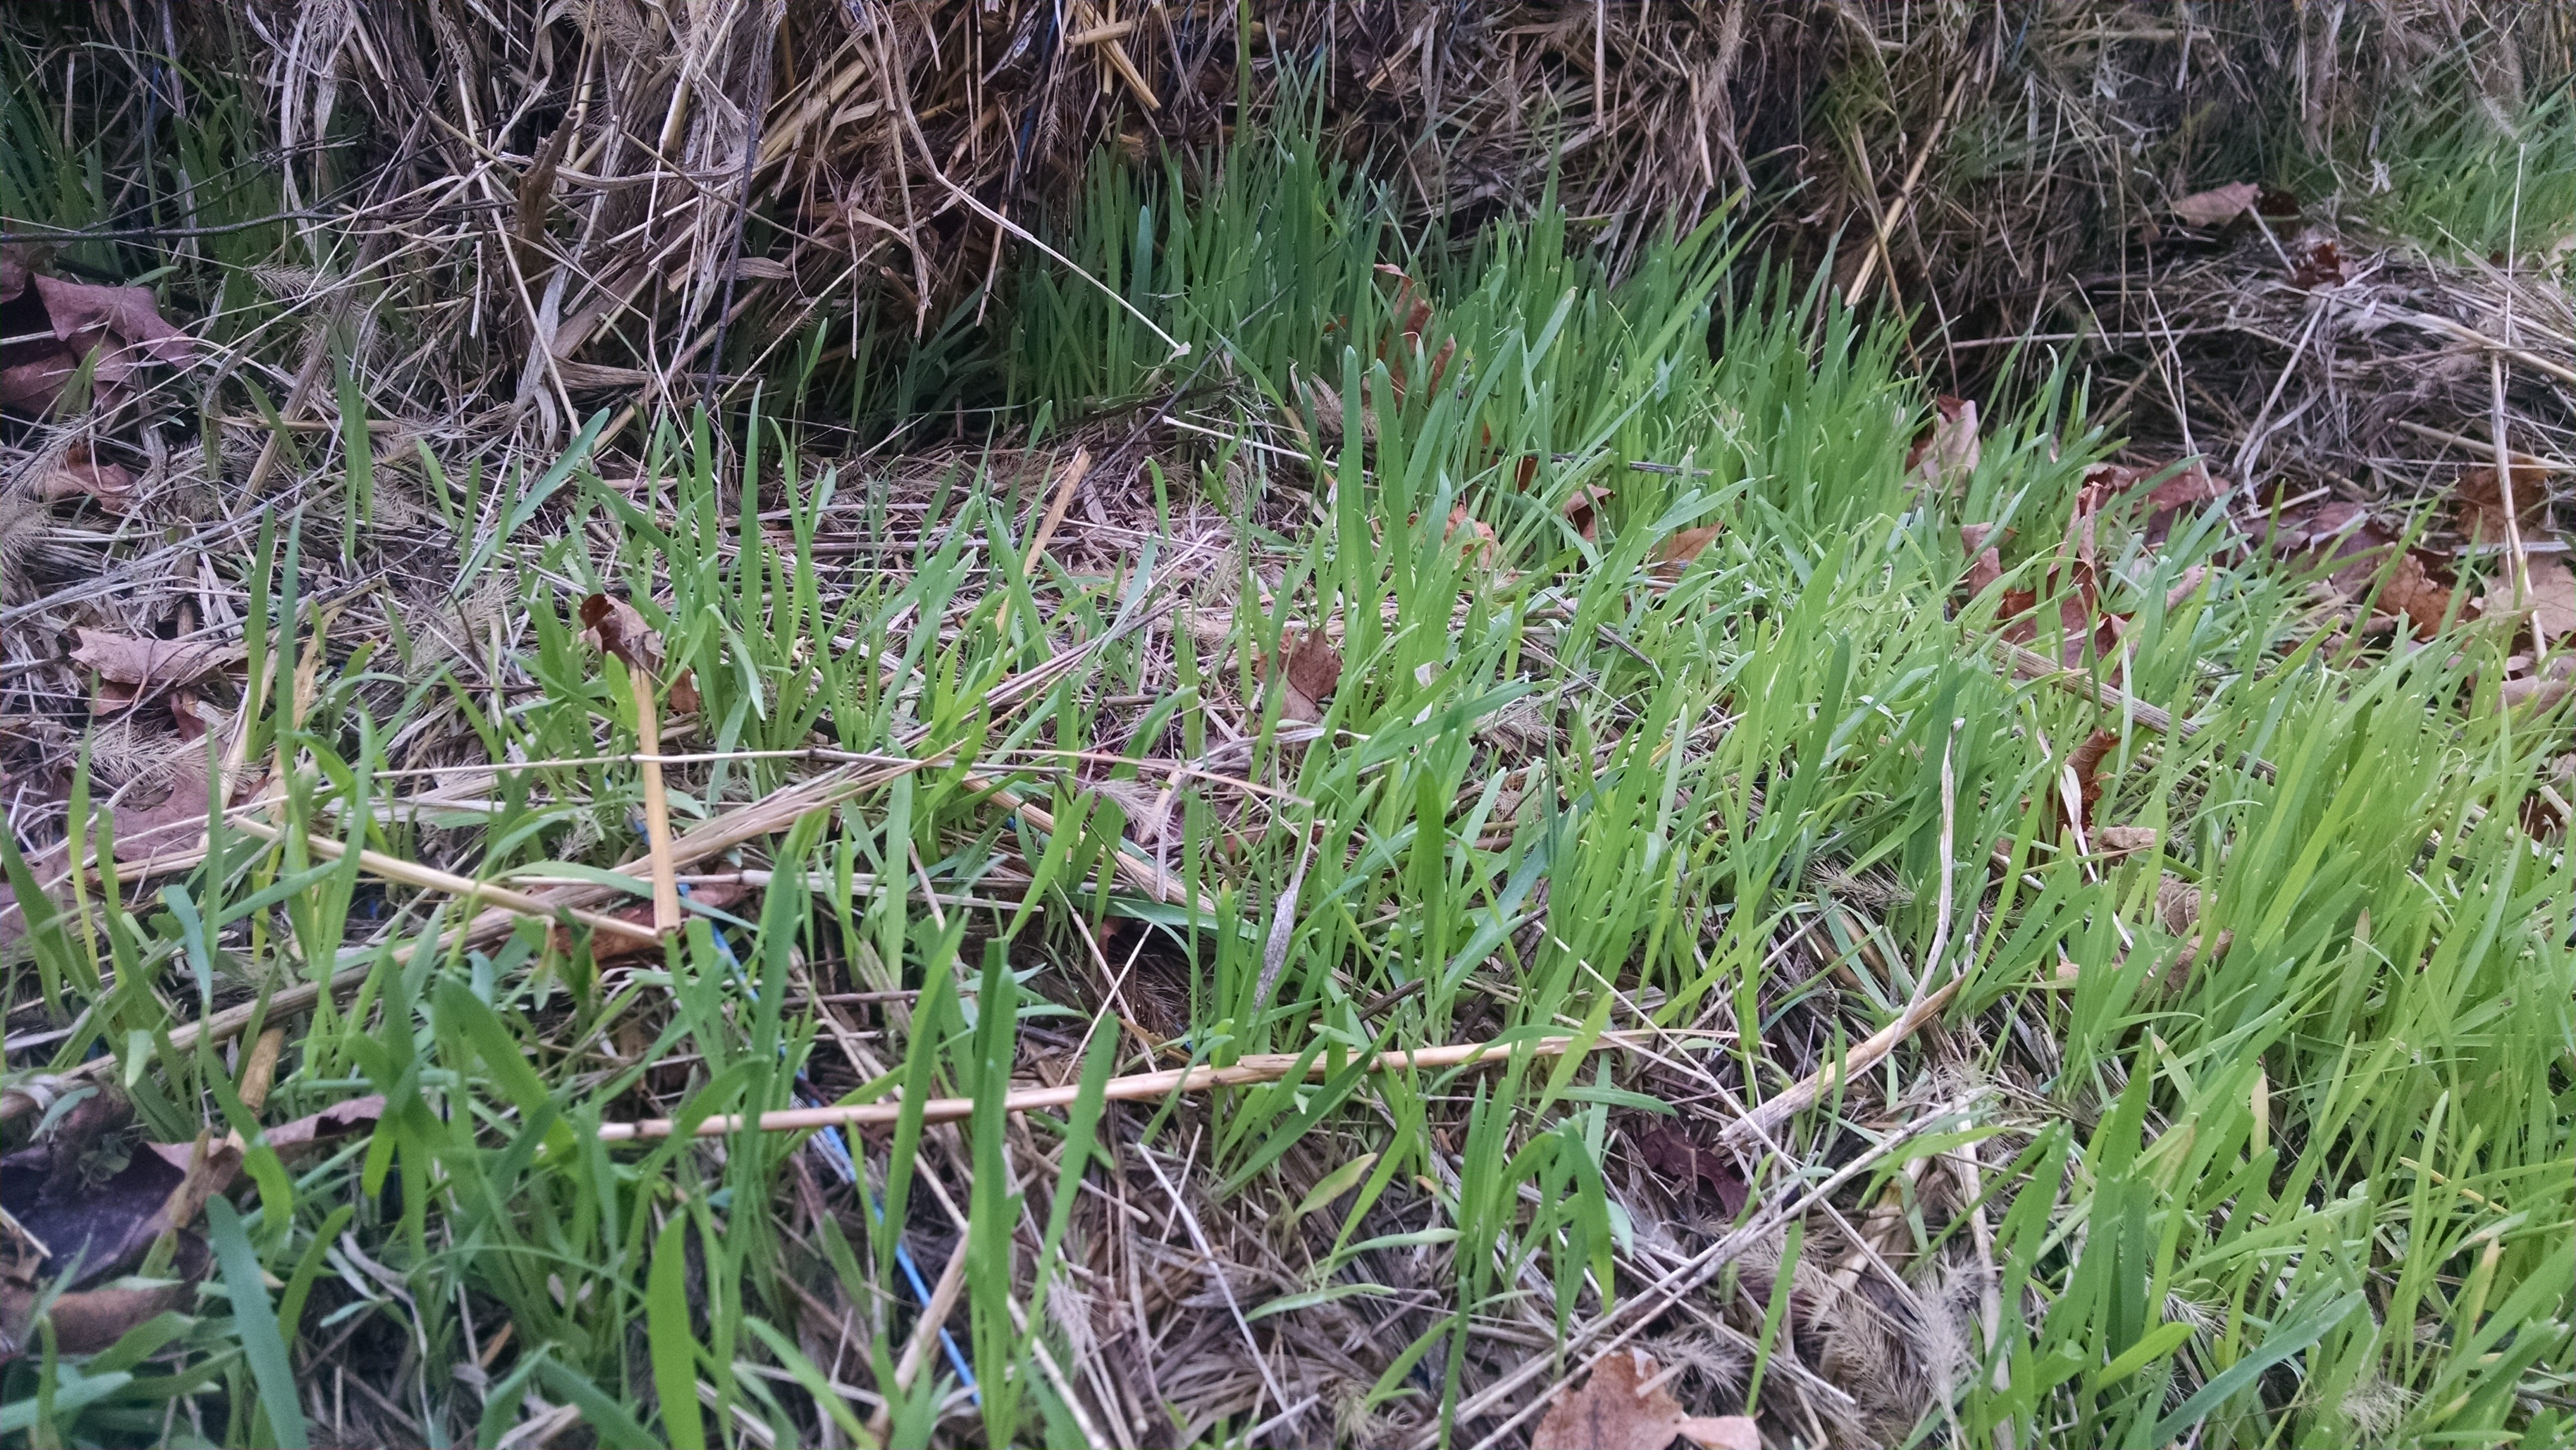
(2416, 592)
(1985, 562)
(85, 313)
(171, 823)
(2218, 205)
(1615, 1411)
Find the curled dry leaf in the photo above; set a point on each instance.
(1307, 668)
(2217, 206)
(1946, 452)
(2552, 600)
(1614, 1410)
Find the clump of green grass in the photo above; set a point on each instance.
(2314, 1186)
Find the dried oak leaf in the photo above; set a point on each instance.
(1947, 450)
(1613, 1411)
(2217, 206)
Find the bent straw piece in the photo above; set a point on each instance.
(1263, 1068)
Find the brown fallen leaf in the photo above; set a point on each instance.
(1985, 561)
(1610, 1413)
(2547, 686)
(2217, 206)
(90, 1198)
(2416, 592)
(1947, 450)
(170, 824)
(87, 1321)
(1686, 545)
(2552, 601)
(2186, 492)
(112, 330)
(85, 313)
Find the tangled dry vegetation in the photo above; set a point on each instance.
(1134, 723)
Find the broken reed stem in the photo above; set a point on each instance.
(657, 802)
(1262, 1068)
